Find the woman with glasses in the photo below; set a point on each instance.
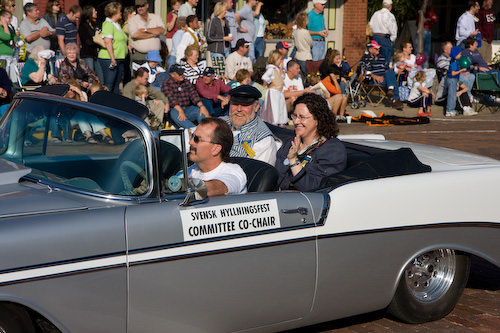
(315, 151)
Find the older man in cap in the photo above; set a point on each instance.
(145, 30)
(252, 138)
(381, 73)
(385, 29)
(213, 93)
(317, 29)
(186, 106)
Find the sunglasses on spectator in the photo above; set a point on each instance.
(140, 6)
(197, 139)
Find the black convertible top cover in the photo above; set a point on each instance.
(119, 102)
(365, 163)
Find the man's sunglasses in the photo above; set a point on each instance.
(140, 6)
(197, 140)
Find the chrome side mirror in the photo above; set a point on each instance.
(197, 193)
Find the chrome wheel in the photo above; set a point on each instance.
(431, 274)
(430, 286)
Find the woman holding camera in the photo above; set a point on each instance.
(112, 58)
(75, 68)
(35, 68)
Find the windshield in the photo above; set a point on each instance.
(76, 148)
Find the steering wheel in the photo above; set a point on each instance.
(127, 180)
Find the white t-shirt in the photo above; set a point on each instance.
(415, 93)
(294, 84)
(412, 61)
(232, 175)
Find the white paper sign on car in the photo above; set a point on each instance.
(225, 220)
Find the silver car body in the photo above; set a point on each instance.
(105, 262)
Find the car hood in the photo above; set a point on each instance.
(17, 199)
(28, 198)
(439, 158)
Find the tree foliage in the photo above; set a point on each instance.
(404, 10)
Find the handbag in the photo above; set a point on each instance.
(404, 93)
(98, 39)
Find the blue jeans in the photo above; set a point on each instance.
(343, 87)
(303, 70)
(112, 77)
(251, 52)
(386, 47)
(259, 47)
(90, 63)
(192, 113)
(318, 50)
(215, 109)
(451, 100)
(468, 80)
(170, 61)
(390, 81)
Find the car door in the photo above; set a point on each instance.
(229, 263)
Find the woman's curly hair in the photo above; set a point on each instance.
(318, 107)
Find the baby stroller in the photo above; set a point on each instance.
(355, 91)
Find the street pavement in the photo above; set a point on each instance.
(479, 306)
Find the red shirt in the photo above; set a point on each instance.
(170, 17)
(430, 18)
(486, 23)
(218, 87)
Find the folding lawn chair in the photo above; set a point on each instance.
(486, 89)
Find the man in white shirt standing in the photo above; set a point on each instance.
(385, 29)
(210, 145)
(238, 59)
(466, 26)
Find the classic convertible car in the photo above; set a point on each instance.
(112, 238)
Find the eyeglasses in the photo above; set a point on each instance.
(300, 117)
(140, 6)
(197, 139)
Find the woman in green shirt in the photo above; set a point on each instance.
(8, 39)
(112, 58)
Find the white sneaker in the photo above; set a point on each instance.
(468, 111)
(451, 113)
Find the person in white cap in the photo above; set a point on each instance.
(317, 29)
(385, 29)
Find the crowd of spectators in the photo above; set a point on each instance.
(186, 72)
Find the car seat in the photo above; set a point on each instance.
(261, 176)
